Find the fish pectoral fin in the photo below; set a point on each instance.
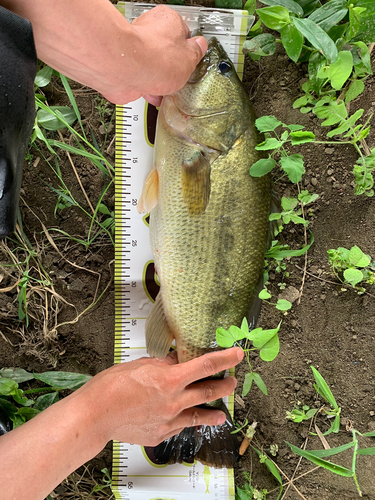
(196, 184)
(159, 336)
(150, 193)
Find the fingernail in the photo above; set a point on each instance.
(202, 42)
(221, 419)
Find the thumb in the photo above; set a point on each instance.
(200, 46)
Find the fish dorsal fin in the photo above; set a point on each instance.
(196, 184)
(159, 336)
(150, 193)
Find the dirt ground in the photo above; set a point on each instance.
(329, 328)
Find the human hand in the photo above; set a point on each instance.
(149, 400)
(165, 54)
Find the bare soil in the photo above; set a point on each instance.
(329, 328)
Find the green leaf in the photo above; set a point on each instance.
(288, 4)
(336, 469)
(293, 166)
(346, 124)
(301, 136)
(283, 305)
(358, 258)
(340, 71)
(366, 451)
(17, 374)
(366, 32)
(264, 294)
(245, 325)
(259, 383)
(274, 17)
(43, 77)
(305, 197)
(267, 341)
(50, 121)
(103, 209)
(332, 451)
(27, 413)
(309, 6)
(269, 143)
(46, 400)
(8, 408)
(260, 45)
(242, 494)
(228, 4)
(274, 216)
(19, 398)
(288, 203)
(333, 113)
(355, 89)
(354, 20)
(317, 37)
(248, 382)
(369, 434)
(227, 338)
(293, 127)
(324, 390)
(353, 276)
(8, 386)
(361, 59)
(250, 7)
(63, 380)
(330, 14)
(267, 123)
(271, 467)
(281, 254)
(292, 41)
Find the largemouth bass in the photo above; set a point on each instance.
(208, 228)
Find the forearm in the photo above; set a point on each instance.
(92, 43)
(79, 37)
(37, 456)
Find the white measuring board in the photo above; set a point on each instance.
(135, 477)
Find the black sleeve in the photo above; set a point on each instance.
(18, 65)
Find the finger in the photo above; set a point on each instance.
(193, 417)
(153, 99)
(207, 365)
(200, 44)
(207, 391)
(172, 358)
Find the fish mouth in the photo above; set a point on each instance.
(189, 112)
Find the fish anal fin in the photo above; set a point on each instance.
(196, 184)
(159, 336)
(150, 193)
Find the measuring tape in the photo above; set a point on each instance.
(135, 476)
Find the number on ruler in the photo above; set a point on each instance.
(134, 202)
(135, 118)
(135, 160)
(134, 243)
(134, 322)
(134, 284)
(130, 485)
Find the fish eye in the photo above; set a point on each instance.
(224, 67)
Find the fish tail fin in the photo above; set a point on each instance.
(214, 446)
